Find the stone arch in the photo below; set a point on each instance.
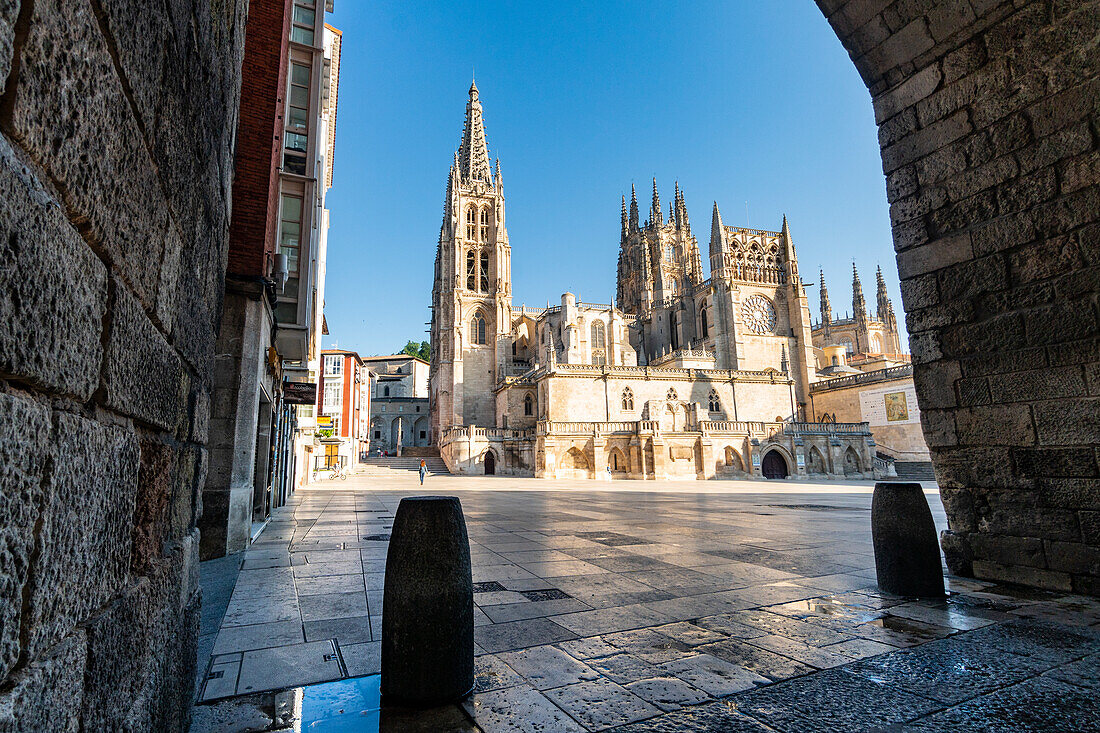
(732, 460)
(964, 223)
(852, 464)
(421, 424)
(616, 461)
(490, 463)
(575, 459)
(774, 464)
(815, 461)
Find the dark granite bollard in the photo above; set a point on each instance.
(907, 554)
(428, 605)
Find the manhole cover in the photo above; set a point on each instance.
(550, 594)
(488, 586)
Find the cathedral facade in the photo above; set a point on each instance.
(685, 376)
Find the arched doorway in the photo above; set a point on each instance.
(490, 464)
(774, 465)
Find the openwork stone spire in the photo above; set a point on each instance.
(826, 308)
(883, 300)
(633, 208)
(859, 305)
(473, 153)
(656, 218)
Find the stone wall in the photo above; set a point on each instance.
(117, 120)
(989, 124)
(902, 440)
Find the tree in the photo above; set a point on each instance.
(422, 350)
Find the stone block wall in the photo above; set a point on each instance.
(989, 125)
(116, 146)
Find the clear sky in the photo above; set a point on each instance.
(740, 101)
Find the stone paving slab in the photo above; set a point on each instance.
(734, 606)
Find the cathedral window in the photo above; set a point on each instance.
(671, 396)
(471, 225)
(628, 400)
(599, 340)
(484, 272)
(484, 225)
(673, 286)
(471, 270)
(599, 358)
(528, 405)
(704, 326)
(714, 404)
(477, 330)
(668, 252)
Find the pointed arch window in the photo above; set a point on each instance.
(671, 396)
(471, 270)
(471, 224)
(714, 403)
(485, 225)
(528, 404)
(703, 323)
(484, 272)
(599, 335)
(628, 400)
(477, 330)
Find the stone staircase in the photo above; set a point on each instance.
(914, 471)
(393, 467)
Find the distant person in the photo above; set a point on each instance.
(608, 469)
(423, 470)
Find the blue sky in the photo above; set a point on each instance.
(740, 102)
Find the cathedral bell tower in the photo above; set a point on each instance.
(472, 293)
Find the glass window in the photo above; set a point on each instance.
(599, 339)
(290, 232)
(471, 270)
(333, 396)
(477, 330)
(703, 321)
(528, 405)
(304, 19)
(484, 225)
(484, 272)
(471, 225)
(296, 142)
(628, 399)
(714, 403)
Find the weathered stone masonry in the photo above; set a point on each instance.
(989, 123)
(116, 161)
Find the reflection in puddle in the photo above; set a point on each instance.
(344, 705)
(909, 627)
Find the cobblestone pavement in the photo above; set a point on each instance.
(729, 606)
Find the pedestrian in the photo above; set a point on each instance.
(608, 469)
(423, 470)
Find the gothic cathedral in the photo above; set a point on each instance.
(683, 377)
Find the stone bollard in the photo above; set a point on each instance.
(428, 605)
(907, 554)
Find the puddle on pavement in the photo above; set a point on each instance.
(913, 629)
(336, 707)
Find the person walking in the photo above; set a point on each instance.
(423, 470)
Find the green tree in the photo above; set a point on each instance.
(422, 350)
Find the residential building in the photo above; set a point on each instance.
(274, 285)
(343, 402)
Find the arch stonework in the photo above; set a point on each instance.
(987, 119)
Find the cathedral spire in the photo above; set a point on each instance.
(625, 223)
(681, 209)
(633, 208)
(826, 307)
(859, 305)
(473, 153)
(656, 218)
(883, 300)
